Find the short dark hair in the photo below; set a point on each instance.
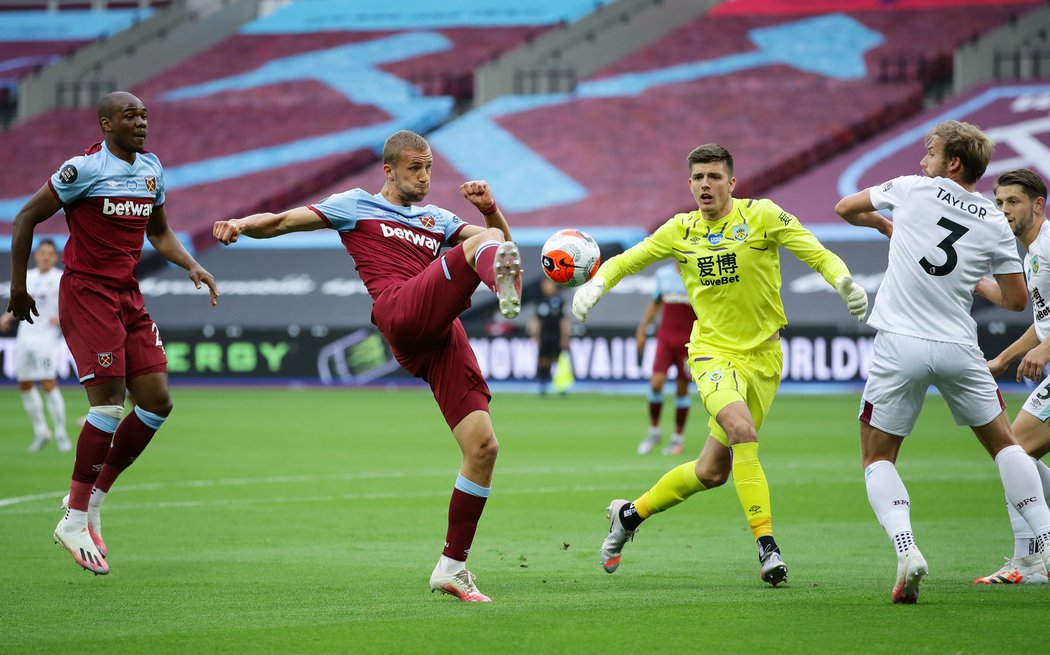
(402, 140)
(46, 242)
(710, 152)
(1028, 180)
(965, 141)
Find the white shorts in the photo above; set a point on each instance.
(904, 367)
(35, 359)
(1038, 403)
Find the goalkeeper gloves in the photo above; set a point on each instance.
(853, 295)
(586, 297)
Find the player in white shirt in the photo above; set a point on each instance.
(36, 346)
(1021, 195)
(943, 237)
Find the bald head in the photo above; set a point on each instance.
(122, 118)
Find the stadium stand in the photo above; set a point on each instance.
(289, 104)
(783, 91)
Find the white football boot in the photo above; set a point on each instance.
(911, 570)
(461, 585)
(651, 441)
(1018, 570)
(94, 515)
(72, 534)
(507, 267)
(612, 547)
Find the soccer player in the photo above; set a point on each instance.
(549, 329)
(672, 337)
(417, 294)
(35, 348)
(1021, 195)
(729, 259)
(112, 196)
(945, 235)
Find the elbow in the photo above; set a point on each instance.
(1015, 303)
(842, 209)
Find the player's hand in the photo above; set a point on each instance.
(200, 276)
(997, 367)
(22, 306)
(1032, 365)
(854, 295)
(226, 232)
(478, 193)
(586, 297)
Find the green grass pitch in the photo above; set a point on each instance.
(273, 520)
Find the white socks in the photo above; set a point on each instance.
(34, 407)
(56, 406)
(889, 499)
(1025, 482)
(449, 566)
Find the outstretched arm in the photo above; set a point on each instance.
(267, 226)
(857, 209)
(40, 207)
(162, 238)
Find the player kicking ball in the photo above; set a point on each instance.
(418, 292)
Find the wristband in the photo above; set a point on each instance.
(490, 210)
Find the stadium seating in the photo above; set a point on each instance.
(274, 113)
(782, 92)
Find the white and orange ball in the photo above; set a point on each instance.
(571, 257)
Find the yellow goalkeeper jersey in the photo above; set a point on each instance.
(731, 269)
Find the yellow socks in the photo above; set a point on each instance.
(752, 488)
(675, 486)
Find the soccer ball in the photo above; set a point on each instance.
(570, 258)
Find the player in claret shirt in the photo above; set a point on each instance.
(418, 293)
(112, 195)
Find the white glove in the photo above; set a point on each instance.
(854, 295)
(586, 297)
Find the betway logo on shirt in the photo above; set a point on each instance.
(127, 208)
(413, 237)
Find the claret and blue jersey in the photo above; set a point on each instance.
(389, 243)
(108, 203)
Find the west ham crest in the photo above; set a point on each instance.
(151, 184)
(105, 360)
(427, 221)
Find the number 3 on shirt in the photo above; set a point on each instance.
(955, 232)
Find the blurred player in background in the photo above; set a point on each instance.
(1021, 195)
(672, 337)
(418, 294)
(112, 196)
(35, 348)
(549, 329)
(945, 236)
(729, 258)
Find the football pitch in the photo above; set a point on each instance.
(308, 521)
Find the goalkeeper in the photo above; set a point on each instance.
(727, 254)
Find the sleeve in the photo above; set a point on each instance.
(339, 209)
(160, 190)
(653, 248)
(1006, 260)
(453, 224)
(891, 194)
(786, 230)
(73, 179)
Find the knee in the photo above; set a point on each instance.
(711, 476)
(492, 234)
(740, 430)
(484, 451)
(160, 406)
